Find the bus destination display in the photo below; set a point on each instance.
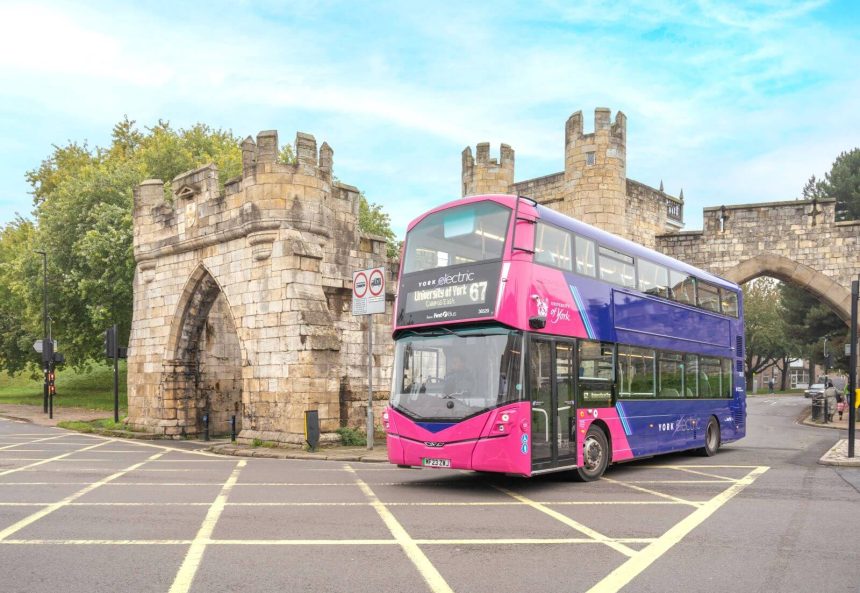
(466, 292)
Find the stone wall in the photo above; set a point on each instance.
(797, 241)
(593, 186)
(271, 255)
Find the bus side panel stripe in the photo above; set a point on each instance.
(585, 321)
(623, 417)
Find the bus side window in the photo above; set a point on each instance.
(552, 247)
(596, 373)
(683, 287)
(729, 300)
(585, 256)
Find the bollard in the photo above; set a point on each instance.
(233, 428)
(205, 427)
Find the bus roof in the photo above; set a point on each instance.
(602, 237)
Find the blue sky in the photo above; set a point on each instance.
(734, 102)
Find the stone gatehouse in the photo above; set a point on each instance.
(242, 299)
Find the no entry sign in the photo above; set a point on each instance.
(368, 291)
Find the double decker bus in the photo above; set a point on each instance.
(529, 342)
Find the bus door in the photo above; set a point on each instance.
(551, 387)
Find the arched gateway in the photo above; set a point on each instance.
(798, 241)
(241, 299)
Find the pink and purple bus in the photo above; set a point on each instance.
(528, 342)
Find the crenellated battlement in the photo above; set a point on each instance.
(268, 193)
(593, 186)
(486, 175)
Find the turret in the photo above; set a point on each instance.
(595, 170)
(487, 175)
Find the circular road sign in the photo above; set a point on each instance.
(377, 282)
(359, 285)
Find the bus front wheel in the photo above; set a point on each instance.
(712, 439)
(595, 455)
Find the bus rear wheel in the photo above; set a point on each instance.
(712, 439)
(595, 455)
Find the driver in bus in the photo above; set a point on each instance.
(458, 378)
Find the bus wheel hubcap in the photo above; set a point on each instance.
(592, 453)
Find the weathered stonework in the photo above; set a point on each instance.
(797, 241)
(241, 299)
(593, 186)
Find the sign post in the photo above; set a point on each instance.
(852, 369)
(368, 298)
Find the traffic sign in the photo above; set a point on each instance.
(39, 347)
(368, 291)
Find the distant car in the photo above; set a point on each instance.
(814, 390)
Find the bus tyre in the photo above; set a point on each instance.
(595, 455)
(712, 439)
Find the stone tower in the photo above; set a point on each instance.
(487, 176)
(593, 186)
(241, 298)
(595, 170)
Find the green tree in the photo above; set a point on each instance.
(374, 221)
(842, 184)
(83, 206)
(808, 321)
(19, 270)
(764, 326)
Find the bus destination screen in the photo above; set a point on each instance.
(465, 292)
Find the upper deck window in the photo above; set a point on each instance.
(585, 257)
(617, 268)
(709, 296)
(460, 235)
(730, 302)
(552, 247)
(653, 279)
(683, 287)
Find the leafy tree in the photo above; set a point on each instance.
(372, 220)
(842, 184)
(18, 270)
(83, 206)
(813, 190)
(808, 321)
(764, 324)
(83, 219)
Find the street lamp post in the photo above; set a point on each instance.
(45, 335)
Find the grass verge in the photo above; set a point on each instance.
(92, 390)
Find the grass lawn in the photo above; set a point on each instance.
(81, 390)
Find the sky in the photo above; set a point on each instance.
(733, 102)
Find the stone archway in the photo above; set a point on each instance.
(817, 284)
(203, 362)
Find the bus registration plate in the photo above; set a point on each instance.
(428, 462)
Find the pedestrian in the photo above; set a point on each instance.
(770, 384)
(830, 395)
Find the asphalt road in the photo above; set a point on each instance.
(82, 514)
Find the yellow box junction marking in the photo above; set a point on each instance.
(621, 576)
(185, 576)
(12, 529)
(593, 534)
(431, 576)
